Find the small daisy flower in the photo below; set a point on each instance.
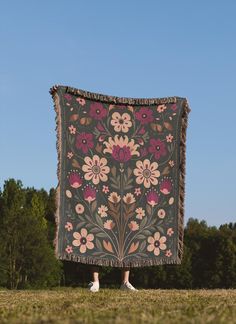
(105, 189)
(70, 155)
(72, 129)
(169, 138)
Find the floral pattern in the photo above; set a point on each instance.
(120, 186)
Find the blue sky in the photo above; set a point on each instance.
(123, 48)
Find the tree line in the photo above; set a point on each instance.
(27, 259)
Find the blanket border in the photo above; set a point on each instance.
(182, 174)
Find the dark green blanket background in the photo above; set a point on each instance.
(121, 178)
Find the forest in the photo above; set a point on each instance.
(27, 259)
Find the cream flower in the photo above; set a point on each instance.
(83, 240)
(146, 173)
(121, 148)
(102, 210)
(114, 197)
(95, 169)
(129, 198)
(161, 213)
(157, 243)
(79, 208)
(121, 122)
(133, 225)
(140, 212)
(109, 224)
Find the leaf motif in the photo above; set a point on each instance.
(93, 206)
(142, 246)
(143, 223)
(85, 120)
(133, 247)
(99, 221)
(148, 209)
(146, 232)
(107, 245)
(95, 230)
(99, 245)
(113, 171)
(168, 126)
(141, 236)
(76, 164)
(74, 117)
(166, 170)
(101, 234)
(98, 148)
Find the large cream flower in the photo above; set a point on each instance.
(147, 173)
(121, 148)
(83, 240)
(121, 122)
(95, 169)
(156, 243)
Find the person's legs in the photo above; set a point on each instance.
(125, 275)
(94, 285)
(125, 284)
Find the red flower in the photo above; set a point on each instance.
(84, 142)
(75, 180)
(89, 194)
(166, 186)
(97, 111)
(144, 115)
(157, 147)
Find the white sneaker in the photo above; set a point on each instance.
(93, 286)
(127, 286)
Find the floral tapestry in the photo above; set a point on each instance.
(121, 178)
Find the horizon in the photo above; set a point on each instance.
(126, 49)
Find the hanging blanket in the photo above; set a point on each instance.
(121, 178)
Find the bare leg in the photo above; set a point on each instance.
(125, 284)
(125, 275)
(94, 285)
(95, 273)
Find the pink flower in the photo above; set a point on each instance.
(72, 129)
(70, 155)
(157, 147)
(157, 243)
(133, 225)
(105, 189)
(174, 107)
(97, 111)
(169, 138)
(75, 180)
(140, 212)
(79, 208)
(68, 97)
(144, 115)
(166, 186)
(137, 191)
(81, 101)
(168, 253)
(170, 231)
(89, 193)
(84, 142)
(152, 197)
(69, 226)
(69, 249)
(83, 240)
(109, 224)
(171, 163)
(161, 108)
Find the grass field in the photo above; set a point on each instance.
(77, 305)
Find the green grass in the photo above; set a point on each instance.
(77, 305)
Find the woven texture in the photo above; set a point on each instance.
(121, 178)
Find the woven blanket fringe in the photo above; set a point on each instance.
(181, 201)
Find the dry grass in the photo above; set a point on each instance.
(77, 305)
